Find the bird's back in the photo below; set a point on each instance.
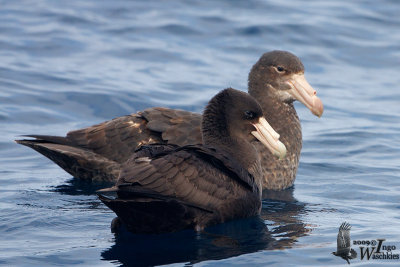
(195, 186)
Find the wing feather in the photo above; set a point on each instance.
(178, 127)
(181, 174)
(343, 237)
(116, 140)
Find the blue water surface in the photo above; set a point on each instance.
(70, 64)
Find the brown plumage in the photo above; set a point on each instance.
(271, 82)
(165, 188)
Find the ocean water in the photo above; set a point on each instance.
(70, 64)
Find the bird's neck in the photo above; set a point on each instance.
(242, 151)
(283, 118)
(279, 174)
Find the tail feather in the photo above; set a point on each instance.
(47, 139)
(79, 162)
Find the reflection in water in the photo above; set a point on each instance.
(76, 186)
(280, 211)
(283, 215)
(217, 242)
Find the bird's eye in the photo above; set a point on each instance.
(280, 69)
(249, 115)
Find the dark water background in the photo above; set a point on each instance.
(70, 64)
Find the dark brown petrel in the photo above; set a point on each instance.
(165, 188)
(97, 152)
